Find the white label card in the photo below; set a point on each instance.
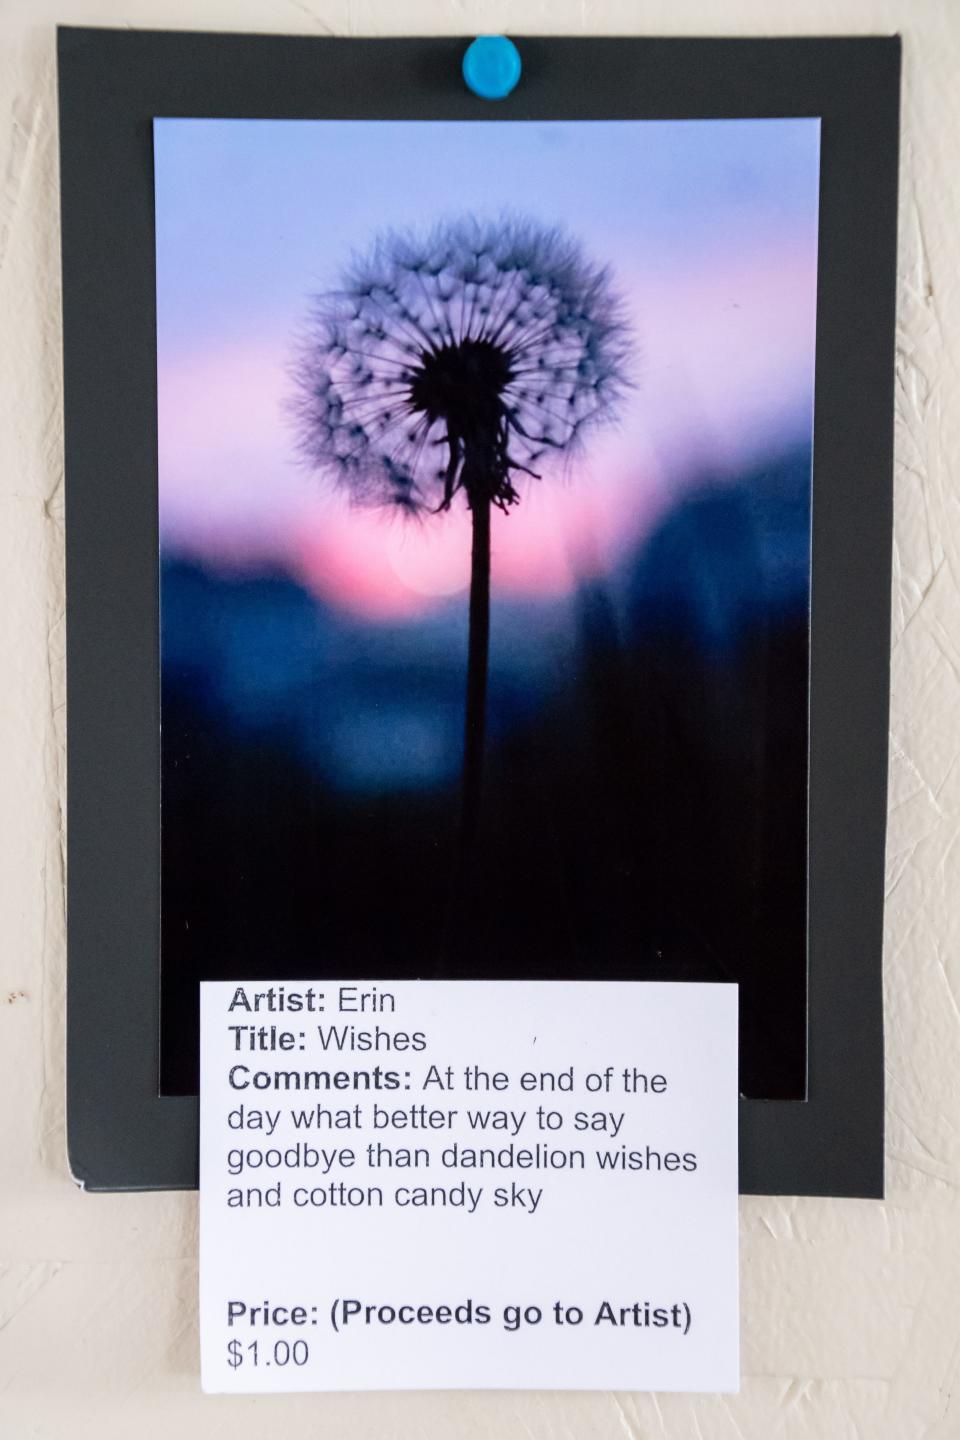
(460, 1184)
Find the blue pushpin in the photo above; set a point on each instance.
(491, 66)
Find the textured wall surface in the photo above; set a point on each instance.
(851, 1309)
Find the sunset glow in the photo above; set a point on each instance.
(724, 318)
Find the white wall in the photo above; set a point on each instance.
(851, 1310)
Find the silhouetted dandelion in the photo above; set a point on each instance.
(453, 365)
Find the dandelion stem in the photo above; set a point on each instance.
(463, 887)
(475, 718)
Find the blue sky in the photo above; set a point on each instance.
(249, 212)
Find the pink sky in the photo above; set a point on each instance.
(724, 375)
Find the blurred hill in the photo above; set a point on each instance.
(645, 805)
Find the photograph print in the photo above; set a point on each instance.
(485, 481)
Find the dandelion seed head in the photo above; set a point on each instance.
(455, 361)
